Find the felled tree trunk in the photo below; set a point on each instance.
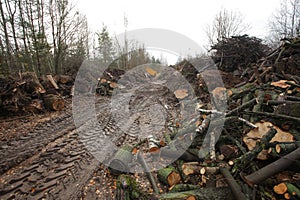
(64, 79)
(32, 83)
(120, 162)
(273, 168)
(203, 194)
(168, 176)
(54, 102)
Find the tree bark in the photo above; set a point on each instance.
(54, 102)
(273, 168)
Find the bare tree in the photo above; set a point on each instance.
(226, 23)
(285, 21)
(41, 36)
(8, 57)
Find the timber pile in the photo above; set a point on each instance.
(257, 154)
(28, 94)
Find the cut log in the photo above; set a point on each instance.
(245, 160)
(64, 79)
(280, 188)
(184, 187)
(273, 168)
(168, 176)
(203, 194)
(52, 81)
(153, 144)
(234, 186)
(195, 168)
(54, 102)
(293, 190)
(36, 105)
(32, 83)
(144, 164)
(120, 162)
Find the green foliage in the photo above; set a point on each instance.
(105, 46)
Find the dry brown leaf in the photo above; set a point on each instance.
(151, 71)
(181, 93)
(282, 84)
(255, 135)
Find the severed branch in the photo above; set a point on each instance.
(274, 115)
(246, 159)
(234, 186)
(273, 168)
(147, 171)
(242, 107)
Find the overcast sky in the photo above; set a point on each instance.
(189, 17)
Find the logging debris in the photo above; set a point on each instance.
(257, 150)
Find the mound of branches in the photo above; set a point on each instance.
(238, 52)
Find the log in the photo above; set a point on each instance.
(293, 190)
(32, 83)
(54, 102)
(190, 155)
(200, 194)
(168, 176)
(52, 81)
(273, 115)
(120, 161)
(142, 161)
(242, 107)
(234, 186)
(64, 79)
(273, 168)
(242, 91)
(127, 189)
(246, 159)
(184, 187)
(36, 105)
(280, 188)
(195, 168)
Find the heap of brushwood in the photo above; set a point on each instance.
(26, 93)
(238, 52)
(257, 154)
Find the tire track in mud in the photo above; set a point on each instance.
(53, 162)
(50, 163)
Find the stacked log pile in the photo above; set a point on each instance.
(257, 155)
(27, 93)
